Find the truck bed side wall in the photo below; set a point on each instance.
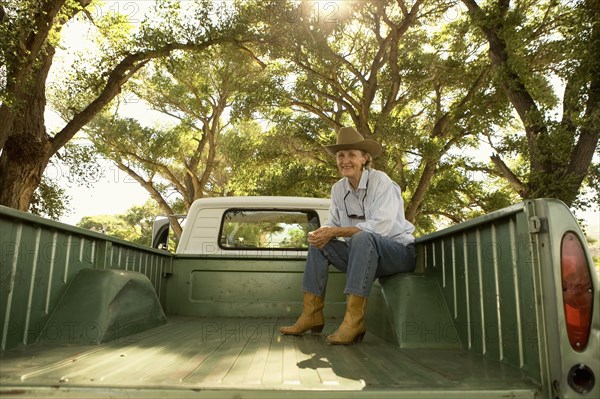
(486, 272)
(39, 258)
(500, 275)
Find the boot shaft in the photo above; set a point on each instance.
(311, 317)
(313, 304)
(355, 310)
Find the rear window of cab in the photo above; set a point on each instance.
(260, 229)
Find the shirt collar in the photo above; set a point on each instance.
(362, 184)
(364, 179)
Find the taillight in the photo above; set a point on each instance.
(577, 291)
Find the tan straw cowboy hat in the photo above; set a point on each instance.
(349, 139)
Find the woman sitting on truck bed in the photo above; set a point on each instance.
(367, 211)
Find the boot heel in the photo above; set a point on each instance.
(316, 329)
(360, 337)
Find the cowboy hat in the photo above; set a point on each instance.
(350, 139)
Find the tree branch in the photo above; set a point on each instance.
(317, 111)
(457, 111)
(508, 174)
(154, 193)
(402, 7)
(429, 169)
(143, 161)
(448, 215)
(128, 66)
(587, 144)
(27, 50)
(348, 98)
(252, 55)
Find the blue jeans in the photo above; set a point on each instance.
(364, 257)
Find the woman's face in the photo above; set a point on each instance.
(350, 163)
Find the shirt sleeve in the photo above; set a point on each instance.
(381, 207)
(334, 210)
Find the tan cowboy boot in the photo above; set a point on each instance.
(311, 317)
(353, 327)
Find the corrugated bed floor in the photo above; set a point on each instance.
(249, 358)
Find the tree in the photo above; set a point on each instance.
(195, 91)
(428, 89)
(134, 226)
(279, 161)
(76, 162)
(32, 29)
(379, 69)
(528, 42)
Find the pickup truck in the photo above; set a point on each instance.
(502, 306)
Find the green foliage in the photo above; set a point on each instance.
(421, 92)
(283, 161)
(81, 162)
(49, 200)
(593, 183)
(74, 165)
(135, 225)
(250, 118)
(180, 160)
(459, 193)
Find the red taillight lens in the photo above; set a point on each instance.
(577, 291)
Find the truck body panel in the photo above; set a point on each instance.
(40, 257)
(481, 316)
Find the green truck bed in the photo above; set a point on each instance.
(213, 357)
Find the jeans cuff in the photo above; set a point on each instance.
(308, 291)
(356, 293)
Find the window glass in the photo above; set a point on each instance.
(267, 228)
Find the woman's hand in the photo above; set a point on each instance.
(321, 236)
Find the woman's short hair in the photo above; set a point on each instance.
(369, 159)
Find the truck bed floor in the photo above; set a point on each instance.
(247, 358)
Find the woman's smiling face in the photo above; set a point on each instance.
(350, 164)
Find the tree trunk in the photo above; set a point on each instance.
(22, 62)
(28, 148)
(23, 161)
(412, 208)
(549, 176)
(30, 124)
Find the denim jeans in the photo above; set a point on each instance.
(364, 257)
